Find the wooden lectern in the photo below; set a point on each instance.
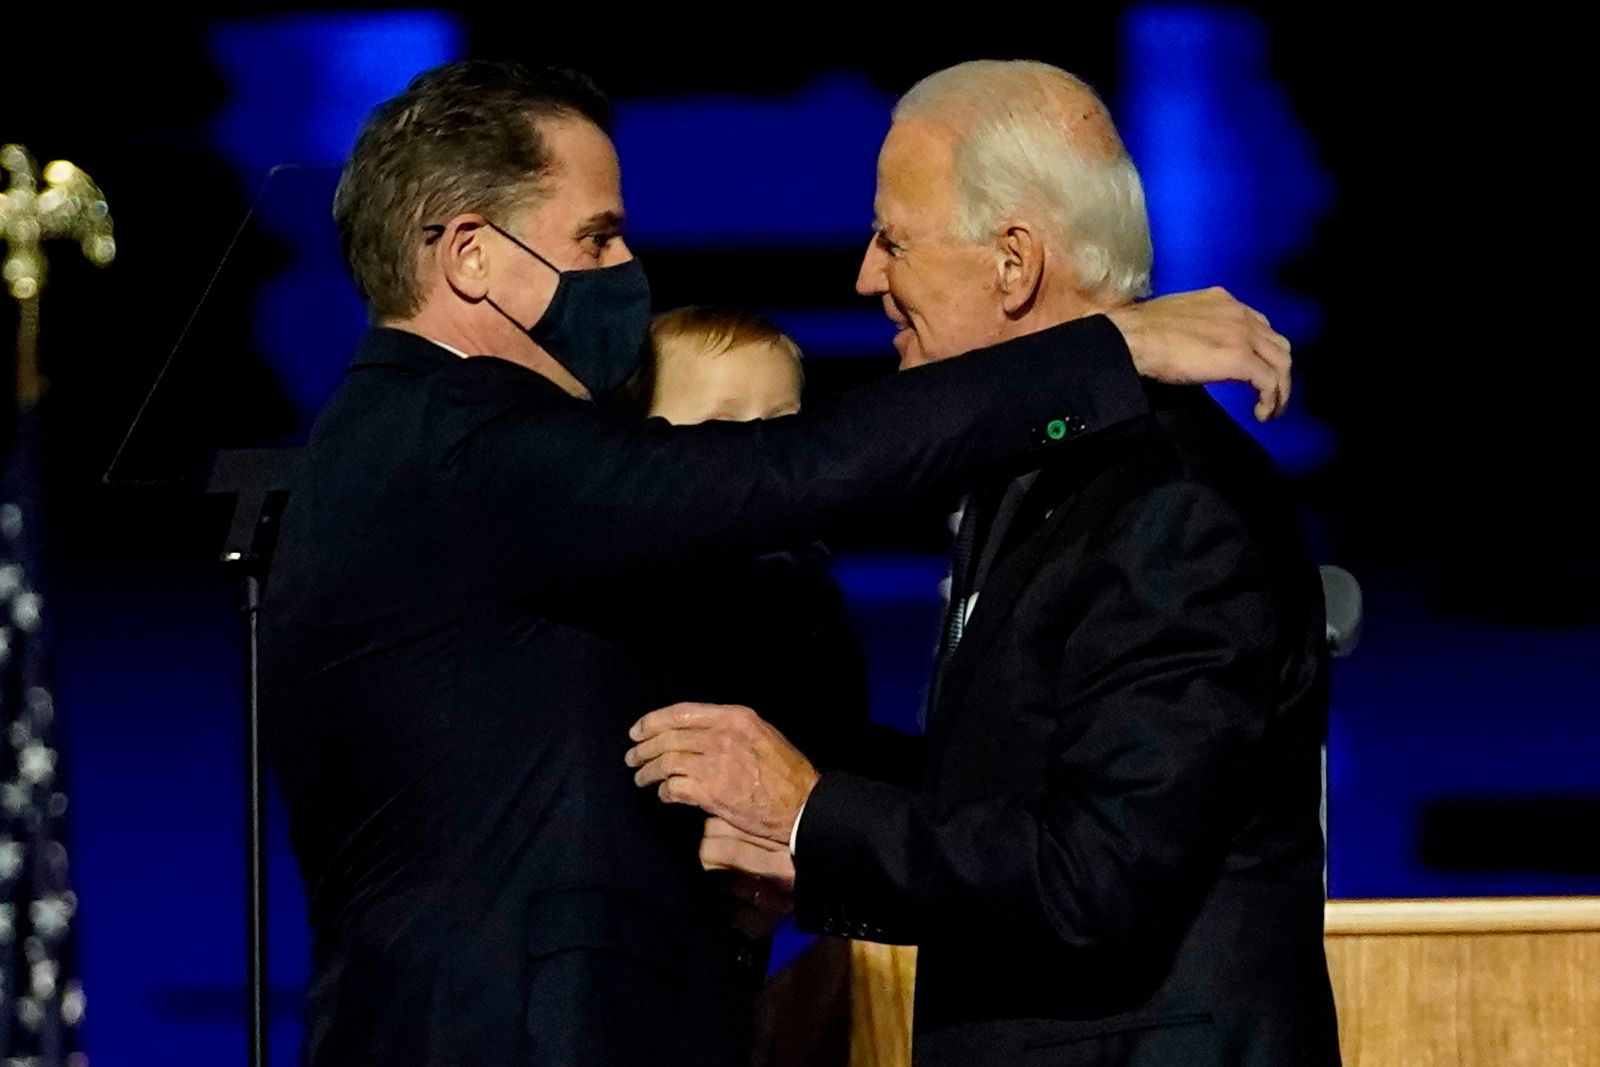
(1418, 983)
(1475, 982)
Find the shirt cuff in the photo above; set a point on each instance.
(794, 831)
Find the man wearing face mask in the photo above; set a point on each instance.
(448, 697)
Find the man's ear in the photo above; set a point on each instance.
(1021, 267)
(462, 255)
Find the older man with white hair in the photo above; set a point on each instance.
(1110, 853)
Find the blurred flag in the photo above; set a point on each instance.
(41, 1004)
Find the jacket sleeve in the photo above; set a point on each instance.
(1164, 691)
(568, 493)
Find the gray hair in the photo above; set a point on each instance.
(1016, 152)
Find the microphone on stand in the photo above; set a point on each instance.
(1341, 595)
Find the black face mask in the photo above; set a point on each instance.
(597, 322)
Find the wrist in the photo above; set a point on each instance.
(799, 811)
(1126, 320)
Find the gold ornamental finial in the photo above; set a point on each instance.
(71, 206)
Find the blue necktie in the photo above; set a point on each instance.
(963, 559)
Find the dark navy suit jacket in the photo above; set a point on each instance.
(449, 681)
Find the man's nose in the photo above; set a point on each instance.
(872, 279)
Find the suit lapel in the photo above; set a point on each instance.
(1014, 566)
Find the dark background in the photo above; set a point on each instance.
(1402, 197)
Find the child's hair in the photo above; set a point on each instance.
(700, 331)
(711, 331)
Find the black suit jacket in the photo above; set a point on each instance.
(771, 632)
(449, 680)
(1114, 855)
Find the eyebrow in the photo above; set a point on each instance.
(602, 222)
(894, 233)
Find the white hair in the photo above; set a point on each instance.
(1016, 154)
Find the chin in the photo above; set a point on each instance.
(911, 354)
